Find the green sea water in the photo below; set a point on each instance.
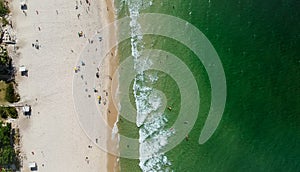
(258, 44)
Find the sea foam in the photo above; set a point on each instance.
(151, 122)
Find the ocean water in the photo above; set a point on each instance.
(258, 44)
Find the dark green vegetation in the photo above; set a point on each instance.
(7, 152)
(6, 68)
(3, 12)
(4, 58)
(3, 8)
(3, 87)
(8, 155)
(6, 112)
(258, 43)
(11, 96)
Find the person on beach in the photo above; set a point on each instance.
(99, 99)
(37, 13)
(25, 13)
(80, 34)
(76, 69)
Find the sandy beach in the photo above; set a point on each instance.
(52, 136)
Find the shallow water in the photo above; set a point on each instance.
(258, 43)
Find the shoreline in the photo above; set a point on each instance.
(112, 112)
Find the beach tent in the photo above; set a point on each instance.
(23, 70)
(32, 166)
(26, 110)
(23, 5)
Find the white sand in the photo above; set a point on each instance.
(53, 132)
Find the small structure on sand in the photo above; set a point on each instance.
(23, 71)
(8, 36)
(26, 110)
(32, 166)
(23, 5)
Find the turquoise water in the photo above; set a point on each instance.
(258, 44)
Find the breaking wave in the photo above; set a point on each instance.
(151, 122)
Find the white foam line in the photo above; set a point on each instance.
(152, 135)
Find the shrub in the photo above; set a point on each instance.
(7, 153)
(6, 170)
(12, 112)
(4, 22)
(4, 58)
(11, 96)
(3, 113)
(6, 112)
